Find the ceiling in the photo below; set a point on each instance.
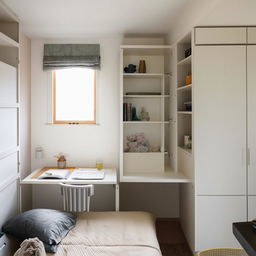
(91, 18)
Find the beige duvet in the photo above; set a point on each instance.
(111, 234)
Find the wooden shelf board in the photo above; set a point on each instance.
(168, 176)
(186, 150)
(185, 87)
(141, 153)
(186, 61)
(146, 122)
(185, 112)
(146, 96)
(143, 75)
(7, 41)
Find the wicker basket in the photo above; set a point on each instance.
(223, 252)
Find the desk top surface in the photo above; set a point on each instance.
(246, 236)
(110, 177)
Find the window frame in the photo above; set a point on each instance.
(72, 121)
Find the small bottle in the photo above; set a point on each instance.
(61, 162)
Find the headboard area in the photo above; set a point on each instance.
(9, 121)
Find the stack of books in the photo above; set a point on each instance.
(127, 112)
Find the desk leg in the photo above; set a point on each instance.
(117, 196)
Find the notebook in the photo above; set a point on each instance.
(87, 174)
(55, 174)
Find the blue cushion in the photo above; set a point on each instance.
(50, 226)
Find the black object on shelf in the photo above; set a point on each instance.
(130, 69)
(188, 105)
(188, 52)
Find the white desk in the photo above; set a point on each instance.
(110, 178)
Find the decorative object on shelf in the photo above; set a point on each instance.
(144, 116)
(188, 105)
(188, 79)
(130, 68)
(142, 66)
(188, 52)
(137, 143)
(134, 114)
(187, 141)
(155, 149)
(99, 164)
(61, 162)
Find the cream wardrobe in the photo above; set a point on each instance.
(224, 97)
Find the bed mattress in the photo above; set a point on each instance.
(111, 234)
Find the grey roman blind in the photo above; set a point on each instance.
(58, 56)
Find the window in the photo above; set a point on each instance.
(74, 96)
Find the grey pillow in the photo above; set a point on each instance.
(50, 226)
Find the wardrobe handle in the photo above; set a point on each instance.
(248, 156)
(243, 157)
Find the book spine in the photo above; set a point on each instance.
(128, 112)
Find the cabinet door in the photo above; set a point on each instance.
(251, 98)
(251, 208)
(220, 120)
(214, 218)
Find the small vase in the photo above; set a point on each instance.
(142, 66)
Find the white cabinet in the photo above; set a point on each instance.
(220, 120)
(251, 125)
(251, 35)
(214, 218)
(251, 208)
(220, 35)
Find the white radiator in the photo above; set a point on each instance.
(76, 198)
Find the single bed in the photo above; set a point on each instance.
(111, 234)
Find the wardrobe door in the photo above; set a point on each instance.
(214, 218)
(220, 120)
(251, 99)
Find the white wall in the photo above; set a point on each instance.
(213, 13)
(25, 167)
(84, 144)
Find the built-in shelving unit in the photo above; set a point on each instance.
(184, 94)
(149, 91)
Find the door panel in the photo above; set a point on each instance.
(251, 208)
(8, 128)
(214, 218)
(220, 120)
(251, 99)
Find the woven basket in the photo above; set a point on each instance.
(223, 252)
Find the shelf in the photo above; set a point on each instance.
(186, 61)
(7, 41)
(143, 75)
(168, 176)
(146, 96)
(185, 88)
(185, 112)
(186, 150)
(146, 122)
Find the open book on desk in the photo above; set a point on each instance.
(55, 174)
(87, 174)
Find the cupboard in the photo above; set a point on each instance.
(224, 133)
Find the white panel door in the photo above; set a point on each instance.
(251, 208)
(220, 120)
(251, 99)
(214, 218)
(8, 129)
(8, 84)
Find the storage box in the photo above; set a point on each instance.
(151, 162)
